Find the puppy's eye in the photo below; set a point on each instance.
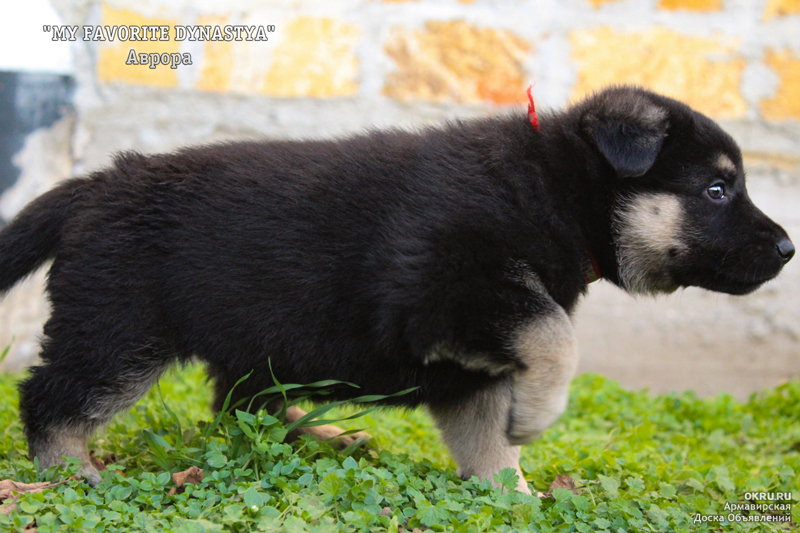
(716, 191)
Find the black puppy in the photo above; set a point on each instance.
(448, 260)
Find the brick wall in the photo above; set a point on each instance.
(345, 65)
(731, 60)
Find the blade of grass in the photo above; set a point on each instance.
(322, 422)
(157, 447)
(173, 416)
(215, 423)
(5, 352)
(308, 417)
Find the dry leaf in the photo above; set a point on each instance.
(100, 464)
(192, 475)
(10, 491)
(96, 461)
(9, 487)
(562, 481)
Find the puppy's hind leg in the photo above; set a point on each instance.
(475, 432)
(77, 390)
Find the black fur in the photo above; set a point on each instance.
(353, 259)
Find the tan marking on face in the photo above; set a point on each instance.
(725, 164)
(648, 227)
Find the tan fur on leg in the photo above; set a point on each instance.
(475, 432)
(547, 346)
(65, 442)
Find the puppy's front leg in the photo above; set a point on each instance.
(475, 432)
(546, 345)
(484, 434)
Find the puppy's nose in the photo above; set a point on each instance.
(785, 249)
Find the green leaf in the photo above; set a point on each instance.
(430, 515)
(331, 485)
(69, 496)
(215, 459)
(695, 484)
(253, 498)
(248, 418)
(667, 490)
(610, 485)
(635, 484)
(157, 447)
(28, 507)
(722, 478)
(350, 463)
(602, 523)
(293, 524)
(247, 429)
(507, 478)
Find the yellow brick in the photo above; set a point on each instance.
(781, 8)
(690, 5)
(315, 57)
(218, 59)
(702, 72)
(786, 102)
(456, 62)
(111, 65)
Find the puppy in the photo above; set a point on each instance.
(448, 259)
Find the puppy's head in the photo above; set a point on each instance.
(680, 215)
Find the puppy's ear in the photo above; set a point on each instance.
(627, 127)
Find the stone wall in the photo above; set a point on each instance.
(344, 65)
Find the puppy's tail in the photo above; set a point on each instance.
(34, 234)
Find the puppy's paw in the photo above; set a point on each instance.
(51, 450)
(91, 475)
(333, 434)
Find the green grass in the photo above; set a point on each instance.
(642, 463)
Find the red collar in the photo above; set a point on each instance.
(592, 271)
(532, 111)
